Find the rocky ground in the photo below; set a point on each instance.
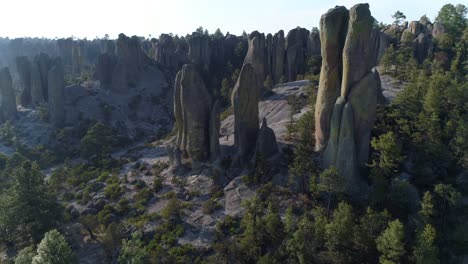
(194, 187)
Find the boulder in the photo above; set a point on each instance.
(8, 106)
(56, 87)
(423, 46)
(437, 30)
(23, 65)
(415, 27)
(193, 108)
(266, 142)
(359, 48)
(333, 25)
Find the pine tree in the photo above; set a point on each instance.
(391, 243)
(339, 233)
(331, 182)
(425, 251)
(54, 249)
(427, 208)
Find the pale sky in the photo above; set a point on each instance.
(91, 18)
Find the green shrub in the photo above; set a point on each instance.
(123, 206)
(113, 191)
(157, 184)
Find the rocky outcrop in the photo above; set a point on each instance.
(197, 117)
(129, 52)
(64, 50)
(168, 53)
(199, 51)
(44, 63)
(23, 65)
(333, 28)
(438, 30)
(245, 97)
(423, 47)
(359, 49)
(256, 57)
(56, 87)
(77, 56)
(8, 106)
(244, 100)
(296, 52)
(266, 142)
(345, 130)
(278, 56)
(104, 69)
(37, 93)
(107, 46)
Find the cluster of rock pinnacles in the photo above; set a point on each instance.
(348, 94)
(197, 113)
(41, 80)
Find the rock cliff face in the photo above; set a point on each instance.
(246, 95)
(8, 106)
(37, 93)
(44, 64)
(199, 51)
(277, 60)
(23, 65)
(348, 92)
(197, 116)
(130, 54)
(56, 87)
(296, 52)
(105, 69)
(333, 28)
(244, 100)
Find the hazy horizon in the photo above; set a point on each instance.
(90, 18)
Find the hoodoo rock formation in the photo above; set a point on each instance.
(8, 106)
(199, 51)
(267, 146)
(56, 87)
(245, 97)
(24, 72)
(348, 92)
(130, 54)
(333, 28)
(37, 93)
(296, 52)
(196, 115)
